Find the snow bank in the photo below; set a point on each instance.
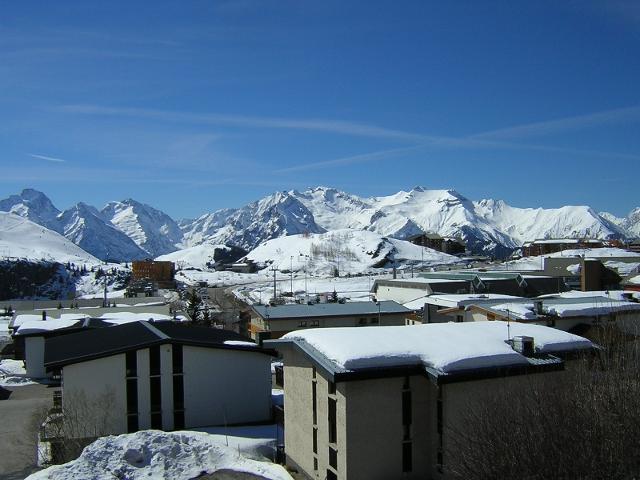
(13, 374)
(447, 347)
(159, 455)
(36, 326)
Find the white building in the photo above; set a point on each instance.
(163, 376)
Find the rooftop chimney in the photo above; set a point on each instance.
(523, 345)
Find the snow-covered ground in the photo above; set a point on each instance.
(13, 373)
(152, 454)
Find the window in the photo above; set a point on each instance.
(302, 323)
(315, 463)
(333, 434)
(132, 423)
(332, 388)
(315, 323)
(156, 394)
(406, 407)
(331, 475)
(154, 360)
(132, 396)
(176, 357)
(156, 421)
(373, 320)
(315, 440)
(314, 402)
(362, 321)
(178, 420)
(333, 458)
(132, 363)
(178, 392)
(407, 457)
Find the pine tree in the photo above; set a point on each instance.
(193, 305)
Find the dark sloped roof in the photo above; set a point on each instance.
(103, 342)
(329, 309)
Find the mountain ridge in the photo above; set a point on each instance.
(128, 229)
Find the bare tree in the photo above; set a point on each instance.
(585, 426)
(65, 431)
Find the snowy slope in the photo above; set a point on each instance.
(22, 238)
(152, 230)
(84, 226)
(348, 251)
(629, 224)
(33, 205)
(154, 454)
(203, 256)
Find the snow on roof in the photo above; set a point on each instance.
(446, 347)
(126, 317)
(156, 454)
(240, 343)
(567, 307)
(36, 326)
(455, 300)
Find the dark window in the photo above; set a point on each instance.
(156, 421)
(331, 475)
(156, 394)
(314, 402)
(132, 423)
(178, 392)
(132, 396)
(315, 440)
(332, 388)
(333, 434)
(406, 457)
(313, 372)
(176, 357)
(439, 416)
(406, 407)
(333, 458)
(132, 364)
(178, 420)
(406, 384)
(315, 463)
(154, 360)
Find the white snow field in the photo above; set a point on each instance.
(13, 373)
(447, 347)
(152, 454)
(23, 239)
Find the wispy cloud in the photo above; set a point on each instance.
(365, 157)
(329, 126)
(561, 124)
(47, 158)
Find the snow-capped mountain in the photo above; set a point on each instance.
(129, 230)
(33, 205)
(84, 226)
(24, 239)
(204, 256)
(629, 224)
(274, 216)
(152, 230)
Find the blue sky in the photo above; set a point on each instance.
(199, 105)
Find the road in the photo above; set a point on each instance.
(18, 431)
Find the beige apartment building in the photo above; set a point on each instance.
(379, 403)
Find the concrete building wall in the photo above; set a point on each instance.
(95, 389)
(278, 328)
(166, 386)
(401, 294)
(144, 389)
(225, 386)
(298, 413)
(34, 357)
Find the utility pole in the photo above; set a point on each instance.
(274, 269)
(291, 273)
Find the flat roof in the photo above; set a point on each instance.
(441, 349)
(279, 312)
